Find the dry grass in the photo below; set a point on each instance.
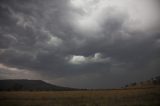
(122, 97)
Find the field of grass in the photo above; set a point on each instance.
(121, 97)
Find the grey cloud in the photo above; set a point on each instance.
(43, 36)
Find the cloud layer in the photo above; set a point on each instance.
(80, 43)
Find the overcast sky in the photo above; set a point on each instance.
(80, 43)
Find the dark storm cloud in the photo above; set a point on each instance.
(75, 46)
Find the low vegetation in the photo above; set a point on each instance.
(119, 97)
(145, 93)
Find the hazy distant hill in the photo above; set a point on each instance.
(29, 85)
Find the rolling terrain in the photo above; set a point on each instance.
(29, 85)
(145, 93)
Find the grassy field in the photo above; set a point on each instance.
(121, 97)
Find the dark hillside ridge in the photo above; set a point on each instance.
(29, 85)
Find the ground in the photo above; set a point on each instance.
(115, 97)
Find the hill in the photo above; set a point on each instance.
(29, 85)
(145, 84)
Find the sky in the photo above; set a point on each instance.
(80, 43)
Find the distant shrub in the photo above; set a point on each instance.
(133, 84)
(126, 86)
